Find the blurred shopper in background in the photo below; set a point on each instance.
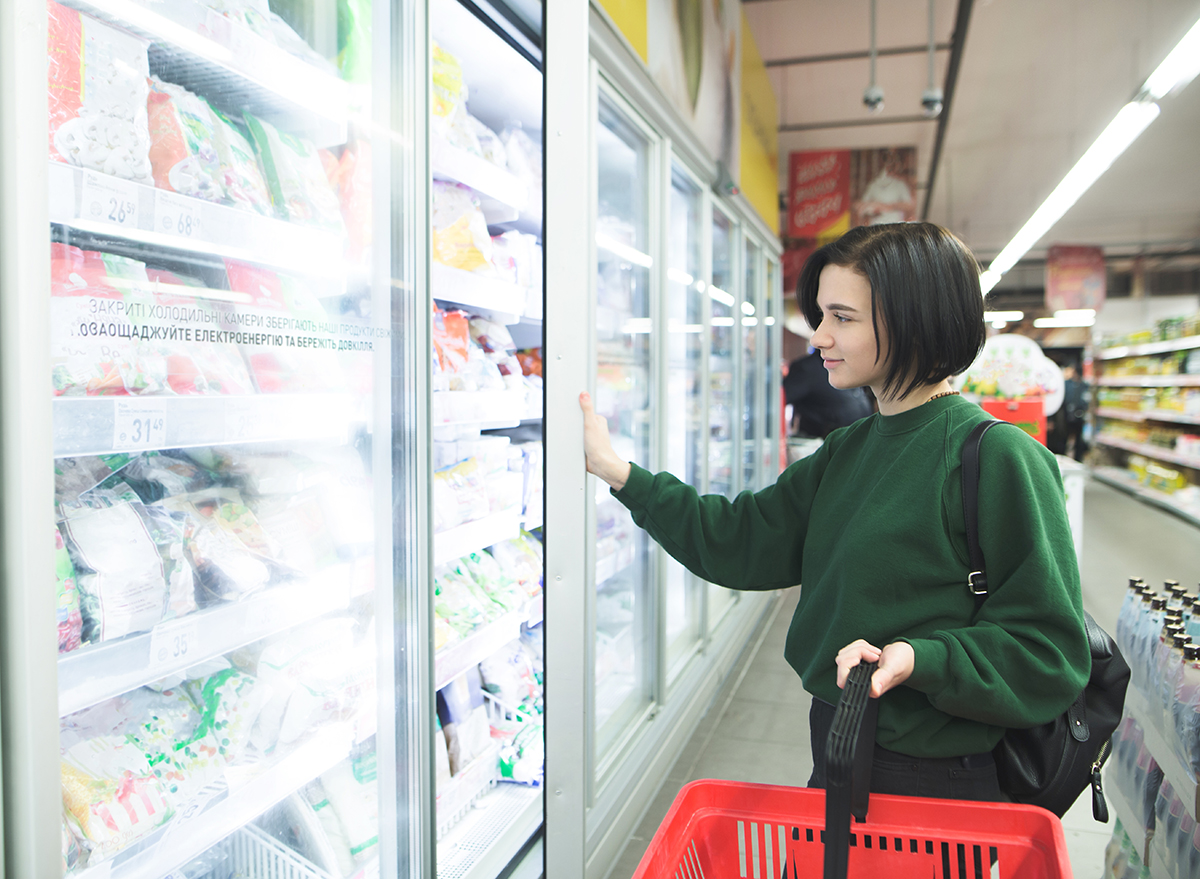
(817, 406)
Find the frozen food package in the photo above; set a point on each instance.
(520, 563)
(168, 530)
(70, 620)
(300, 190)
(444, 634)
(508, 675)
(301, 356)
(97, 95)
(230, 702)
(490, 145)
(354, 40)
(524, 159)
(531, 361)
(230, 552)
(112, 794)
(449, 121)
(77, 475)
(461, 495)
(491, 336)
(73, 854)
(352, 182)
(155, 475)
(300, 528)
(183, 150)
(441, 757)
(352, 791)
(451, 339)
(460, 234)
(118, 569)
(455, 600)
(240, 177)
(479, 373)
(460, 708)
(334, 841)
(500, 588)
(183, 753)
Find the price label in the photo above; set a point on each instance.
(109, 200)
(177, 214)
(139, 424)
(174, 645)
(243, 420)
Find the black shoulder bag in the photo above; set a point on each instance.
(1050, 765)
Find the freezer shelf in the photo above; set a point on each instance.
(96, 425)
(490, 836)
(503, 193)
(99, 203)
(244, 795)
(483, 642)
(485, 409)
(455, 797)
(92, 674)
(501, 301)
(454, 543)
(205, 52)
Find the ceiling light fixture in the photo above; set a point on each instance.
(1003, 315)
(931, 98)
(1178, 69)
(873, 96)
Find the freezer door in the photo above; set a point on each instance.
(753, 404)
(236, 434)
(723, 364)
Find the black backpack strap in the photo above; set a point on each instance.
(977, 579)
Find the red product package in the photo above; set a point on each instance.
(451, 339)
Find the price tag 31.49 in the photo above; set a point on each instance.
(139, 424)
(174, 645)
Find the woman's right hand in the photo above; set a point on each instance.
(597, 447)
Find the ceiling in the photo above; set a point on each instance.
(1037, 81)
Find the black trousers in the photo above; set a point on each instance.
(972, 777)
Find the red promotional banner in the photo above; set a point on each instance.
(818, 194)
(1076, 277)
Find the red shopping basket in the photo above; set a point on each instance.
(720, 829)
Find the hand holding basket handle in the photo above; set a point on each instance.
(848, 755)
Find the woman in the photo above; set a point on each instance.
(872, 526)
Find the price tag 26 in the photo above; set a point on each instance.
(139, 424)
(177, 214)
(243, 420)
(110, 200)
(174, 645)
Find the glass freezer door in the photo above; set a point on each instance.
(234, 562)
(722, 390)
(752, 402)
(623, 615)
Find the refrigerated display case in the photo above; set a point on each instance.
(224, 299)
(485, 131)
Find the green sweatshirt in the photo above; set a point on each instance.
(872, 526)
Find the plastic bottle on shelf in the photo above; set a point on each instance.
(1185, 738)
(1168, 667)
(1149, 626)
(1173, 592)
(1138, 619)
(1128, 613)
(1168, 812)
(1191, 615)
(1183, 843)
(1193, 862)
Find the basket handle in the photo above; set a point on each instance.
(849, 752)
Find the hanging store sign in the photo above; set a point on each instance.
(1076, 277)
(831, 191)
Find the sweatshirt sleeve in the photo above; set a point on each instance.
(1026, 657)
(754, 542)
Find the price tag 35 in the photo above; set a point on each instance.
(110, 200)
(177, 214)
(174, 645)
(139, 424)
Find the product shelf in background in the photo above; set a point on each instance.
(503, 194)
(93, 673)
(1150, 451)
(454, 543)
(495, 299)
(200, 49)
(488, 837)
(1149, 381)
(1127, 815)
(1147, 348)
(105, 205)
(455, 797)
(1148, 415)
(100, 425)
(485, 640)
(485, 410)
(242, 798)
(1118, 478)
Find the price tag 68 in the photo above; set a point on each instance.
(139, 424)
(177, 214)
(175, 644)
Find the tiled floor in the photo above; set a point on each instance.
(757, 728)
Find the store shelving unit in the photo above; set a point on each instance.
(454, 543)
(1149, 450)
(1168, 415)
(1120, 478)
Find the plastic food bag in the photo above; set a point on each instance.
(296, 178)
(524, 159)
(490, 145)
(167, 727)
(111, 792)
(119, 570)
(500, 588)
(239, 175)
(352, 182)
(97, 95)
(460, 234)
(230, 702)
(183, 152)
(449, 120)
(451, 339)
(459, 494)
(455, 600)
(231, 553)
(168, 530)
(156, 475)
(70, 620)
(464, 720)
(354, 40)
(314, 795)
(520, 563)
(352, 791)
(491, 336)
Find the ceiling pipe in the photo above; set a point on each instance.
(873, 96)
(961, 19)
(931, 98)
(856, 55)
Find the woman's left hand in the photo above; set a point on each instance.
(895, 664)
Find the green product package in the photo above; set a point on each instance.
(299, 188)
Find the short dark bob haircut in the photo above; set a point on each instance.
(924, 289)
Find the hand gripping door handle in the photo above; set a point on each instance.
(849, 752)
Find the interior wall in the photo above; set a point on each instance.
(1127, 315)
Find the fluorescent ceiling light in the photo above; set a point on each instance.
(770, 321)
(624, 251)
(722, 321)
(999, 324)
(679, 276)
(1076, 313)
(1003, 315)
(747, 308)
(677, 327)
(637, 325)
(719, 295)
(1176, 70)
(1050, 322)
(749, 321)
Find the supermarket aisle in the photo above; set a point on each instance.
(757, 727)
